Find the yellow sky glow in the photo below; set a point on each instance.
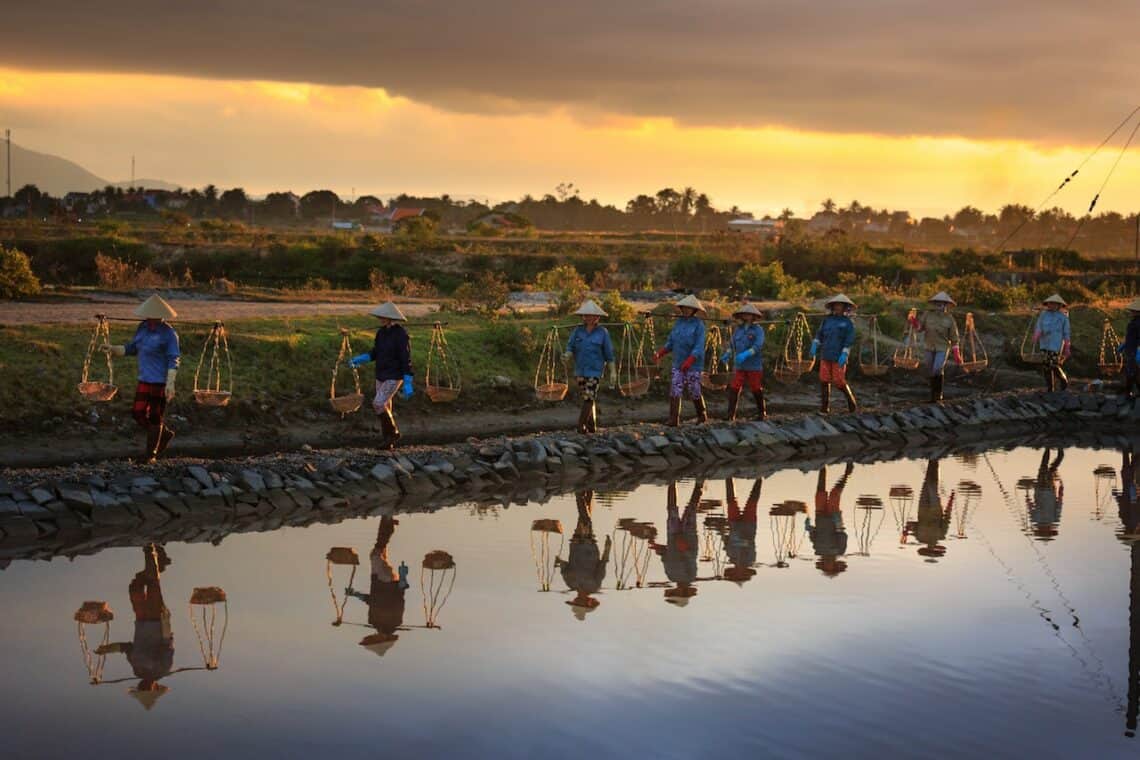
(279, 135)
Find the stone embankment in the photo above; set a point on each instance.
(79, 510)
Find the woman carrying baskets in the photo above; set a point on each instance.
(687, 344)
(1054, 337)
(833, 343)
(591, 349)
(1130, 351)
(155, 343)
(940, 334)
(392, 352)
(747, 341)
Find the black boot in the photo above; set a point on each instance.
(592, 417)
(733, 401)
(1061, 378)
(153, 434)
(702, 410)
(1050, 380)
(936, 389)
(761, 407)
(825, 398)
(164, 439)
(583, 418)
(391, 432)
(850, 394)
(674, 412)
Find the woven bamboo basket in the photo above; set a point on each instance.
(974, 366)
(786, 375)
(212, 398)
(801, 365)
(93, 391)
(94, 612)
(343, 555)
(551, 391)
(715, 381)
(441, 394)
(438, 560)
(547, 525)
(346, 404)
(869, 502)
(907, 362)
(874, 370)
(1109, 369)
(207, 595)
(634, 388)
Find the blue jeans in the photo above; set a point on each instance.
(935, 362)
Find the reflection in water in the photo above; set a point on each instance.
(385, 597)
(933, 522)
(784, 527)
(740, 540)
(94, 614)
(437, 572)
(632, 559)
(868, 520)
(540, 532)
(1126, 500)
(828, 534)
(207, 599)
(902, 499)
(679, 553)
(1048, 497)
(585, 570)
(340, 556)
(970, 495)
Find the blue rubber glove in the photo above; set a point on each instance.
(359, 359)
(843, 356)
(1138, 355)
(814, 348)
(1120, 349)
(403, 570)
(407, 386)
(725, 356)
(743, 356)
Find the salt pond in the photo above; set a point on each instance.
(976, 604)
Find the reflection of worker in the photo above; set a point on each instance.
(151, 651)
(1130, 526)
(1048, 496)
(679, 554)
(933, 521)
(585, 570)
(740, 543)
(828, 535)
(1126, 498)
(385, 597)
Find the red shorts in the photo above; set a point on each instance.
(150, 403)
(753, 377)
(831, 372)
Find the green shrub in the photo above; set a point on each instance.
(619, 309)
(1072, 291)
(515, 343)
(486, 294)
(972, 290)
(565, 285)
(770, 281)
(16, 277)
(420, 229)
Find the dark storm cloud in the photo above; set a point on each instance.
(1039, 70)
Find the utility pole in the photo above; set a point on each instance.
(8, 162)
(132, 170)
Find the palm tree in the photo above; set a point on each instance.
(828, 206)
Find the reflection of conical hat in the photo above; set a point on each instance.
(839, 298)
(690, 301)
(155, 308)
(739, 575)
(1134, 306)
(747, 309)
(590, 309)
(388, 310)
(1055, 298)
(148, 697)
(379, 643)
(580, 607)
(943, 297)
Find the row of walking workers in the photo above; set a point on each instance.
(590, 351)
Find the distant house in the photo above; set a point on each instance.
(500, 220)
(877, 226)
(823, 222)
(747, 225)
(397, 215)
(344, 225)
(76, 201)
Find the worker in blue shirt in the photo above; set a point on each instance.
(1130, 350)
(155, 343)
(590, 349)
(392, 352)
(687, 344)
(832, 344)
(1054, 337)
(745, 349)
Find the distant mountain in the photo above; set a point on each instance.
(58, 176)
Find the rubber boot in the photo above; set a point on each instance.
(391, 432)
(733, 395)
(761, 406)
(936, 384)
(583, 418)
(153, 433)
(702, 410)
(825, 398)
(592, 417)
(1061, 378)
(1050, 380)
(164, 439)
(852, 405)
(674, 412)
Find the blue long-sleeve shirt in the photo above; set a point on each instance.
(157, 351)
(687, 338)
(835, 334)
(1054, 329)
(392, 352)
(591, 349)
(1131, 340)
(745, 337)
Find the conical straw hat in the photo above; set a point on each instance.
(747, 309)
(148, 698)
(590, 309)
(379, 643)
(1055, 298)
(839, 298)
(690, 301)
(155, 308)
(388, 310)
(943, 297)
(1134, 306)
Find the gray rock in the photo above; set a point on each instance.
(144, 483)
(79, 498)
(273, 480)
(201, 475)
(252, 481)
(42, 495)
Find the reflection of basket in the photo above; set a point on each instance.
(207, 595)
(94, 612)
(438, 560)
(638, 387)
(547, 525)
(645, 531)
(975, 366)
(441, 394)
(212, 398)
(786, 375)
(874, 370)
(551, 391)
(346, 404)
(93, 391)
(907, 362)
(1109, 369)
(801, 365)
(343, 555)
(715, 381)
